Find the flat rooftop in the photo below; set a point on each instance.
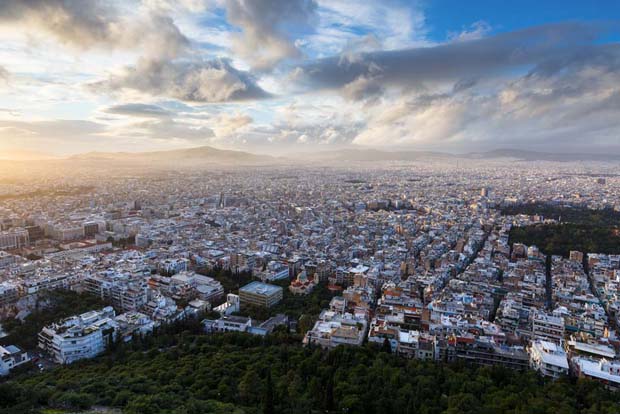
(260, 288)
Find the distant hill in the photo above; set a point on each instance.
(192, 156)
(206, 156)
(541, 156)
(355, 154)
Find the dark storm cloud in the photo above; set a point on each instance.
(190, 81)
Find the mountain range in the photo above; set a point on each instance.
(206, 155)
(188, 155)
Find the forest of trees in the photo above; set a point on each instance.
(560, 239)
(606, 217)
(582, 229)
(179, 371)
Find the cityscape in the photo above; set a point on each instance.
(340, 212)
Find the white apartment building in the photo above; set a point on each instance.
(79, 337)
(134, 323)
(333, 329)
(68, 232)
(548, 358)
(205, 287)
(61, 281)
(173, 266)
(125, 292)
(228, 323)
(14, 239)
(11, 356)
(7, 259)
(547, 327)
(9, 292)
(415, 344)
(603, 370)
(230, 306)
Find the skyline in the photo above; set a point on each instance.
(276, 77)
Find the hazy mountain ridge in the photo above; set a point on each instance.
(525, 155)
(355, 154)
(197, 154)
(408, 155)
(210, 155)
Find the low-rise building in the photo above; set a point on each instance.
(11, 356)
(79, 337)
(9, 293)
(228, 323)
(134, 323)
(14, 239)
(230, 306)
(333, 329)
(602, 370)
(547, 327)
(548, 358)
(260, 294)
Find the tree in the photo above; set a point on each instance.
(268, 398)
(249, 387)
(386, 346)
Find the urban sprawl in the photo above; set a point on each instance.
(416, 257)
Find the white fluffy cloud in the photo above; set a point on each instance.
(289, 74)
(190, 81)
(555, 106)
(98, 24)
(264, 40)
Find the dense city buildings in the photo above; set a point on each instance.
(417, 258)
(309, 206)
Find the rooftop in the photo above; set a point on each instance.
(260, 288)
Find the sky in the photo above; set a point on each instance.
(281, 76)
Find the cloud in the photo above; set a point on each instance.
(265, 25)
(190, 81)
(73, 136)
(194, 6)
(315, 134)
(476, 31)
(185, 124)
(166, 129)
(139, 110)
(426, 67)
(4, 75)
(49, 134)
(225, 125)
(558, 105)
(98, 23)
